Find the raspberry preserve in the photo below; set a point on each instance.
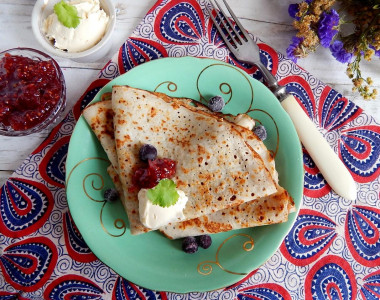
(150, 174)
(32, 91)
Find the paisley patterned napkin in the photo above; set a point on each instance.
(332, 252)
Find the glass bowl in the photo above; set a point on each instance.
(32, 91)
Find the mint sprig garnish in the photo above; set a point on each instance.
(67, 14)
(164, 193)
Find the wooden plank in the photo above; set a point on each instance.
(4, 175)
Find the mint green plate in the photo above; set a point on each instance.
(151, 260)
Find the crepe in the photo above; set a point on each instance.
(95, 116)
(268, 210)
(250, 138)
(100, 119)
(264, 211)
(216, 168)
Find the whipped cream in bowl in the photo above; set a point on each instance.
(88, 41)
(90, 30)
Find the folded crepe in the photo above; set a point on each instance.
(268, 210)
(99, 116)
(264, 211)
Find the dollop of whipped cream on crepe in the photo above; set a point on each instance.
(155, 216)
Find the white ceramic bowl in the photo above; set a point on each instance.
(43, 8)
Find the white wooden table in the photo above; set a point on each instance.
(268, 19)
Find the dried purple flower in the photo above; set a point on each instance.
(293, 10)
(377, 52)
(296, 41)
(326, 27)
(340, 53)
(317, 23)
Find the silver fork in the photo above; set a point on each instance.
(243, 47)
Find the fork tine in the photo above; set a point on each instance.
(237, 35)
(241, 28)
(222, 34)
(227, 32)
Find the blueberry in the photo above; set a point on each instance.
(204, 241)
(260, 131)
(111, 195)
(147, 152)
(216, 103)
(189, 244)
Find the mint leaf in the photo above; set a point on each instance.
(164, 193)
(67, 14)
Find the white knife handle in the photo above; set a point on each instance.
(327, 161)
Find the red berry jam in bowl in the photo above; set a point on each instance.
(32, 91)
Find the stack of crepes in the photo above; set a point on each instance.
(224, 169)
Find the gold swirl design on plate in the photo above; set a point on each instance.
(206, 267)
(97, 185)
(81, 162)
(118, 223)
(93, 185)
(171, 86)
(224, 87)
